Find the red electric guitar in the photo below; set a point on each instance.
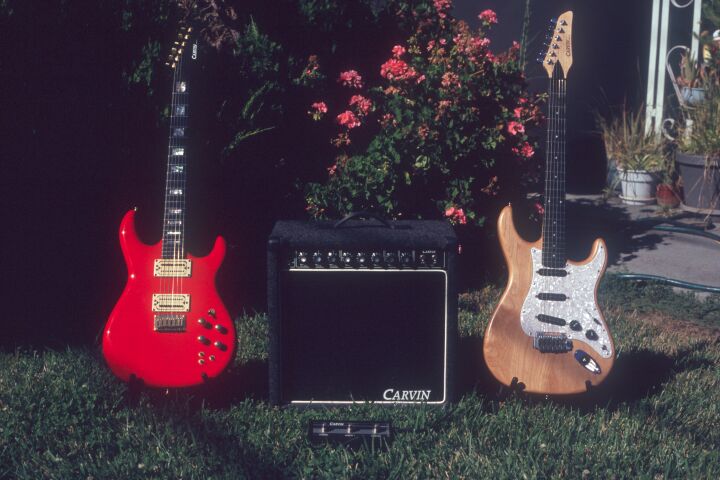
(170, 328)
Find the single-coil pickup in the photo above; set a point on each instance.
(172, 302)
(553, 297)
(165, 322)
(551, 320)
(552, 272)
(172, 267)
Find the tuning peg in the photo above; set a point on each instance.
(558, 38)
(563, 22)
(551, 62)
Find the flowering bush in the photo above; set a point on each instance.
(436, 130)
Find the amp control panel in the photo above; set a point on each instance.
(382, 259)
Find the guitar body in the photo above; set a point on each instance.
(509, 348)
(134, 345)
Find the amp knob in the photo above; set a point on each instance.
(361, 259)
(346, 259)
(406, 259)
(375, 259)
(302, 259)
(318, 258)
(390, 259)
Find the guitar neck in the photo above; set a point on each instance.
(554, 255)
(173, 239)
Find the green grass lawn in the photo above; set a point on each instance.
(63, 415)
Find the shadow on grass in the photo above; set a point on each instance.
(238, 383)
(636, 375)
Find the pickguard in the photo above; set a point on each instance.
(579, 303)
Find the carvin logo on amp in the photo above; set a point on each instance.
(406, 395)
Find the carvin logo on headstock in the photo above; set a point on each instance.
(568, 47)
(194, 51)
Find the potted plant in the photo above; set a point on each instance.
(638, 156)
(697, 158)
(690, 80)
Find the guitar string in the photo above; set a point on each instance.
(164, 284)
(548, 190)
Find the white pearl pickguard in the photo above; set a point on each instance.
(579, 287)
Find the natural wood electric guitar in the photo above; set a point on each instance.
(170, 328)
(547, 334)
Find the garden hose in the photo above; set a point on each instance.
(690, 230)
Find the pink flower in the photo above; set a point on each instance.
(518, 113)
(420, 79)
(332, 170)
(348, 119)
(527, 151)
(318, 109)
(398, 51)
(539, 208)
(515, 127)
(450, 79)
(351, 78)
(441, 6)
(456, 215)
(363, 104)
(488, 17)
(430, 45)
(395, 69)
(423, 131)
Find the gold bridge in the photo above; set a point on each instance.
(172, 267)
(170, 302)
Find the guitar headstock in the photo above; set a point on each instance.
(179, 47)
(559, 45)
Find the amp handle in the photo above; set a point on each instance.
(362, 214)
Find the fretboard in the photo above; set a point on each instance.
(173, 239)
(553, 250)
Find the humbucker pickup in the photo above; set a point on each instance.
(172, 267)
(169, 323)
(171, 302)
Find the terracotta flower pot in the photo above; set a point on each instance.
(666, 196)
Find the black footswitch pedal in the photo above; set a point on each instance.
(343, 431)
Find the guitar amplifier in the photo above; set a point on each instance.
(361, 311)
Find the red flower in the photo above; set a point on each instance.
(348, 119)
(363, 104)
(398, 51)
(395, 69)
(515, 127)
(539, 208)
(351, 78)
(488, 17)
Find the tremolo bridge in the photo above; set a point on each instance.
(172, 267)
